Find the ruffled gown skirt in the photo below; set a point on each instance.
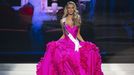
(61, 59)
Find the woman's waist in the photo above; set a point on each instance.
(73, 35)
(65, 39)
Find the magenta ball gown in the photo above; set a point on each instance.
(60, 57)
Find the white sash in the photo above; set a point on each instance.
(75, 41)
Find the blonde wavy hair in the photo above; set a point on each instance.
(76, 16)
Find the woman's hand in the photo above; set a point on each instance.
(79, 36)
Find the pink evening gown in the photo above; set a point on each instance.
(61, 58)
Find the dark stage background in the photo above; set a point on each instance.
(107, 23)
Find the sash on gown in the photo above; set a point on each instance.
(74, 40)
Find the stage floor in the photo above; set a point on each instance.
(30, 68)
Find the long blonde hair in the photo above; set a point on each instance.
(75, 15)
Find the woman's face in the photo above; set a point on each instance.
(70, 9)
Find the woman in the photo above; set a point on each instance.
(70, 55)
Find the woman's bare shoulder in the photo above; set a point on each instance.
(63, 20)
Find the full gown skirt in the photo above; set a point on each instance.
(61, 58)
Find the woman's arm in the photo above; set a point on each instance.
(61, 23)
(62, 36)
(79, 36)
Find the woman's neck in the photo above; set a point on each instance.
(70, 16)
(69, 20)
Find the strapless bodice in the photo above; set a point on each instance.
(72, 29)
